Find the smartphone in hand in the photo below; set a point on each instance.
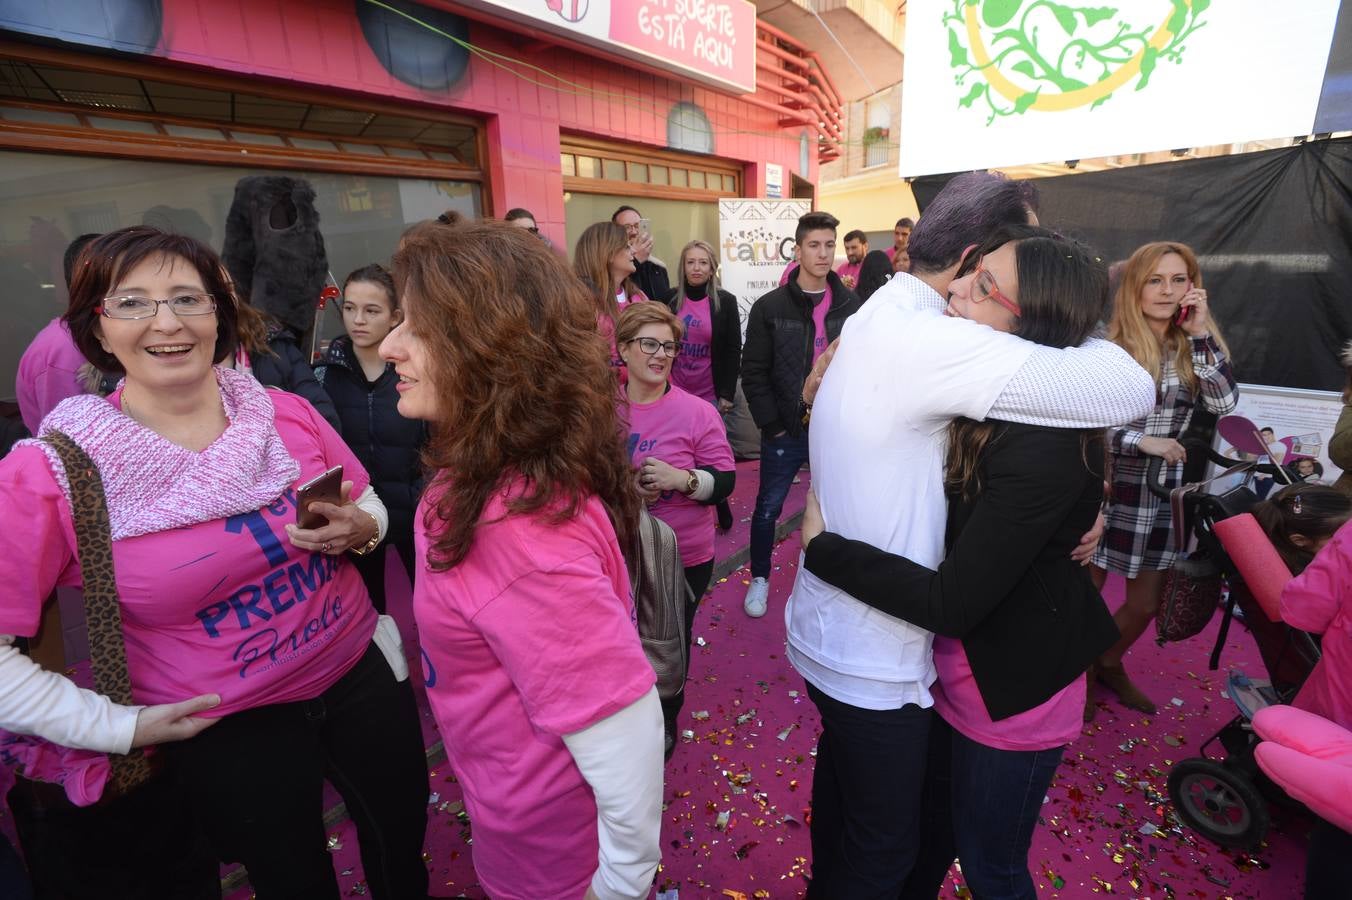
(326, 488)
(1184, 311)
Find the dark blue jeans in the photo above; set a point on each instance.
(866, 799)
(780, 460)
(981, 806)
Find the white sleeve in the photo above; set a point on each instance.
(51, 706)
(1095, 385)
(958, 367)
(370, 502)
(621, 759)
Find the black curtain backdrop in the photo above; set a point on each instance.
(1273, 231)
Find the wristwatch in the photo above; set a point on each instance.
(691, 484)
(371, 544)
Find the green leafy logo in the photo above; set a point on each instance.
(1011, 56)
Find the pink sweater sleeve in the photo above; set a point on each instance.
(1313, 598)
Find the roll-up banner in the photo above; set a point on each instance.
(755, 244)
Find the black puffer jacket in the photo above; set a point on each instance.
(777, 356)
(387, 444)
(287, 369)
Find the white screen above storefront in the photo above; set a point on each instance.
(1010, 82)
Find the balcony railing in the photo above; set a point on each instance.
(800, 90)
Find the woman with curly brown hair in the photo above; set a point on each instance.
(534, 668)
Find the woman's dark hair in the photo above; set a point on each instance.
(1313, 511)
(874, 272)
(1063, 287)
(519, 212)
(107, 258)
(375, 274)
(523, 378)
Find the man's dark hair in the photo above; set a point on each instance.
(519, 212)
(1267, 428)
(905, 222)
(856, 235)
(967, 211)
(73, 253)
(815, 221)
(616, 214)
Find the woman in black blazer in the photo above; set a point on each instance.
(711, 352)
(1017, 620)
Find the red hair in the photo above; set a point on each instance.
(524, 382)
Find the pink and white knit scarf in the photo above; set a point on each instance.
(153, 484)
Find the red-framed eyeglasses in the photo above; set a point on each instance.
(985, 287)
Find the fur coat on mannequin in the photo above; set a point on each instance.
(274, 251)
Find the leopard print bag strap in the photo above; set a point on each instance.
(103, 614)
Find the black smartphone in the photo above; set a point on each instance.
(326, 488)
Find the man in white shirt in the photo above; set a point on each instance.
(902, 373)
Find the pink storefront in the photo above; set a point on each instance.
(127, 111)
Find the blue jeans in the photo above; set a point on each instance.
(993, 801)
(866, 799)
(780, 460)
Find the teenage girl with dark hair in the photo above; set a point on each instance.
(363, 388)
(1016, 618)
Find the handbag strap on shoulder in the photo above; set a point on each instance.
(103, 612)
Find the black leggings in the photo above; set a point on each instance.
(698, 578)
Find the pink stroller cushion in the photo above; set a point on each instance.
(1257, 561)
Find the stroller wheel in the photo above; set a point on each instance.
(1220, 803)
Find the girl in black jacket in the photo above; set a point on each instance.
(1016, 617)
(711, 353)
(362, 387)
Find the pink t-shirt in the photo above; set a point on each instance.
(49, 372)
(819, 312)
(788, 270)
(684, 432)
(693, 370)
(228, 606)
(849, 272)
(531, 637)
(1053, 723)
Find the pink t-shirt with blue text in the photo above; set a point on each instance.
(693, 370)
(228, 606)
(1053, 723)
(529, 638)
(684, 432)
(823, 306)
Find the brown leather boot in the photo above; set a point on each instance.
(1090, 707)
(1115, 677)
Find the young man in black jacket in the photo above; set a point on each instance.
(786, 331)
(649, 274)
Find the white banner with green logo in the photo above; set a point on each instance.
(1010, 82)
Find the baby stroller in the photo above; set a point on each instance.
(1226, 799)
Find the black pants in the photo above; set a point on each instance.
(1328, 863)
(144, 846)
(256, 780)
(866, 799)
(371, 567)
(698, 579)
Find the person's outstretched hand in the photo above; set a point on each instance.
(814, 378)
(174, 721)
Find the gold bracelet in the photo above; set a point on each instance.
(375, 538)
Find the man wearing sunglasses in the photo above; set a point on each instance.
(902, 372)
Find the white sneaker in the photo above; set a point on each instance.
(757, 597)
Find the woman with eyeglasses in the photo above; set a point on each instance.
(679, 446)
(533, 664)
(1016, 618)
(251, 641)
(711, 350)
(1162, 317)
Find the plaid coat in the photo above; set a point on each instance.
(1139, 525)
